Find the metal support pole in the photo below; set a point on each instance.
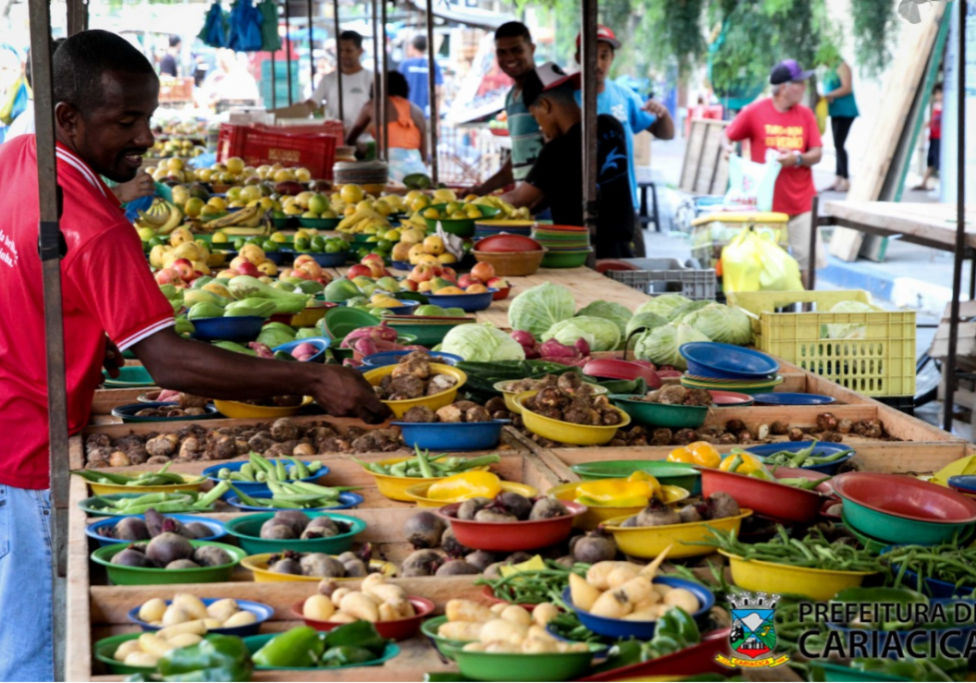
(377, 85)
(311, 47)
(50, 245)
(950, 374)
(288, 47)
(335, 19)
(274, 82)
(431, 85)
(386, 103)
(814, 243)
(588, 20)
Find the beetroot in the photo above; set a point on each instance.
(131, 557)
(131, 529)
(168, 547)
(555, 349)
(583, 347)
(424, 530)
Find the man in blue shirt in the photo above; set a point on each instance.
(414, 68)
(624, 105)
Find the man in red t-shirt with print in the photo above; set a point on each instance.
(105, 92)
(783, 124)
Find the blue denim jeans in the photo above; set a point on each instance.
(26, 648)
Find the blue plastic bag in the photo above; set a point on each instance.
(245, 27)
(214, 31)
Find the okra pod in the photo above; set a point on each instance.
(214, 494)
(300, 471)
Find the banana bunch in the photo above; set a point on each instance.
(357, 222)
(507, 210)
(161, 216)
(248, 218)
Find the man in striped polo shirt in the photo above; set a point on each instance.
(515, 53)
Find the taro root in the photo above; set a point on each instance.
(408, 387)
(158, 460)
(596, 546)
(286, 563)
(261, 442)
(480, 559)
(477, 414)
(735, 426)
(303, 449)
(132, 557)
(420, 414)
(495, 404)
(284, 429)
(450, 414)
(296, 519)
(275, 530)
(190, 449)
(421, 563)
(416, 363)
(424, 529)
(795, 434)
(451, 546)
(844, 426)
(327, 587)
(164, 444)
(698, 397)
(514, 504)
(168, 547)
(224, 448)
(119, 459)
(661, 437)
(674, 394)
(778, 428)
(744, 437)
(547, 508)
(131, 529)
(98, 441)
(657, 514)
(182, 564)
(683, 437)
(456, 568)
(827, 422)
(468, 510)
(439, 384)
(198, 530)
(211, 556)
(611, 417)
(831, 437)
(320, 564)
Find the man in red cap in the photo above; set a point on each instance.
(782, 124)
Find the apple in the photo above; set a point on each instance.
(376, 269)
(238, 261)
(448, 273)
(185, 268)
(422, 273)
(301, 273)
(359, 270)
(312, 268)
(285, 273)
(409, 285)
(498, 283)
(466, 281)
(248, 268)
(304, 258)
(168, 276)
(483, 272)
(372, 257)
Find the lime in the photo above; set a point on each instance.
(334, 247)
(384, 245)
(318, 244)
(239, 244)
(302, 244)
(154, 242)
(270, 245)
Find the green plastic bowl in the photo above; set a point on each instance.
(565, 259)
(563, 666)
(893, 529)
(667, 473)
(873, 545)
(130, 376)
(837, 673)
(659, 414)
(106, 647)
(446, 646)
(145, 576)
(255, 643)
(462, 227)
(94, 507)
(247, 532)
(319, 223)
(426, 335)
(340, 321)
(283, 223)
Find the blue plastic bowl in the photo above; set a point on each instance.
(94, 530)
(792, 399)
(730, 361)
(452, 436)
(334, 260)
(935, 588)
(347, 500)
(956, 641)
(963, 483)
(261, 611)
(321, 343)
(128, 413)
(378, 360)
(407, 307)
(242, 328)
(402, 265)
(469, 303)
(255, 489)
(821, 449)
(642, 630)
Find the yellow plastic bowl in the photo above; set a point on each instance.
(650, 541)
(238, 410)
(445, 398)
(510, 395)
(567, 432)
(105, 489)
(418, 492)
(259, 565)
(597, 515)
(395, 488)
(816, 584)
(309, 316)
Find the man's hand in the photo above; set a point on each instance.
(113, 360)
(786, 159)
(140, 186)
(343, 392)
(656, 108)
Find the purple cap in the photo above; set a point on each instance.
(786, 71)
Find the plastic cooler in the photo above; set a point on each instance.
(713, 231)
(878, 361)
(666, 275)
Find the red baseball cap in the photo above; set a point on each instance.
(603, 34)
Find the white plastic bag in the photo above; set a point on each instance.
(751, 185)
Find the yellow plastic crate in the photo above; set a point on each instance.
(880, 362)
(712, 232)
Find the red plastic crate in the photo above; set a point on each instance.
(259, 145)
(324, 128)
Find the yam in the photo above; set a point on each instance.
(318, 607)
(152, 610)
(583, 593)
(683, 598)
(191, 604)
(504, 631)
(223, 609)
(360, 606)
(460, 630)
(467, 610)
(517, 614)
(242, 618)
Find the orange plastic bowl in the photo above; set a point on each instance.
(398, 629)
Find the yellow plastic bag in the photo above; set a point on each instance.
(753, 263)
(821, 112)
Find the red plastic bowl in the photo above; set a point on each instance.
(767, 498)
(508, 243)
(610, 368)
(906, 497)
(502, 294)
(511, 537)
(697, 659)
(730, 398)
(398, 629)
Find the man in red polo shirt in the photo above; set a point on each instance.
(105, 92)
(783, 124)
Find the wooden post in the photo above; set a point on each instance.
(385, 68)
(50, 241)
(378, 108)
(431, 85)
(588, 48)
(311, 46)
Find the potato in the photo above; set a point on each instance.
(544, 612)
(388, 612)
(498, 608)
(125, 649)
(360, 606)
(242, 618)
(534, 646)
(191, 604)
(210, 623)
(599, 574)
(318, 607)
(338, 594)
(503, 630)
(223, 609)
(460, 630)
(683, 598)
(151, 643)
(153, 610)
(467, 610)
(406, 610)
(652, 600)
(175, 614)
(501, 646)
(140, 658)
(651, 614)
(342, 618)
(195, 626)
(475, 647)
(536, 631)
(385, 592)
(516, 613)
(184, 640)
(611, 604)
(620, 576)
(583, 593)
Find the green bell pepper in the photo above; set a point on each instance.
(346, 654)
(359, 634)
(300, 647)
(216, 658)
(675, 631)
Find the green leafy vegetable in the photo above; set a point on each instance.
(481, 343)
(661, 345)
(646, 320)
(663, 305)
(601, 334)
(614, 312)
(536, 310)
(722, 324)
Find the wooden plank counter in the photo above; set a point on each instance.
(931, 225)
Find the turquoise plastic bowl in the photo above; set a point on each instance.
(893, 529)
(255, 643)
